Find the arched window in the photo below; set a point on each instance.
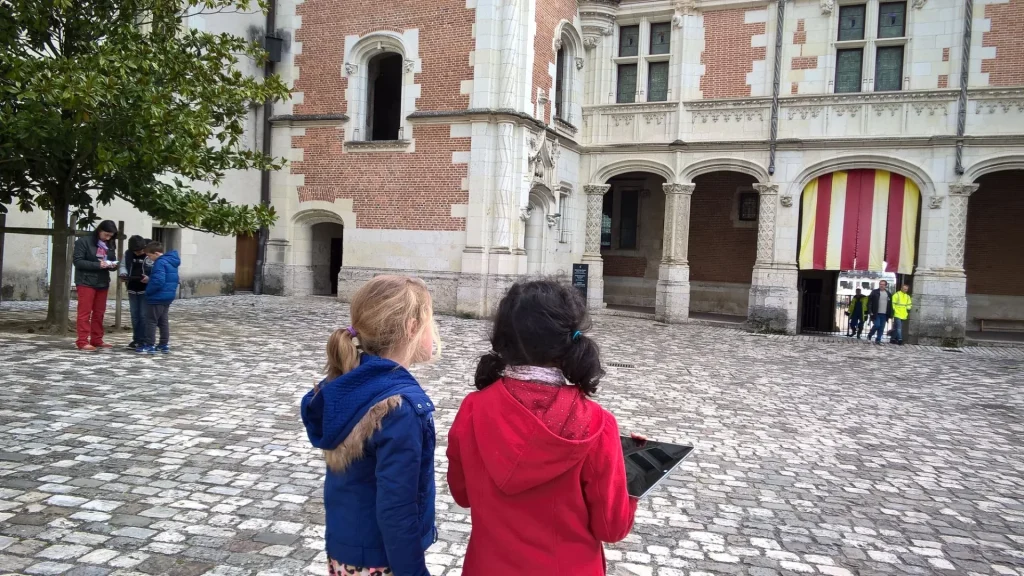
(384, 97)
(568, 81)
(560, 84)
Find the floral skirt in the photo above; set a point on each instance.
(335, 568)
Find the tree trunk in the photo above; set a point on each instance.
(60, 273)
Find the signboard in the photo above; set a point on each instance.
(580, 278)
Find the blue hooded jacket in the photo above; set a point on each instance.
(163, 281)
(380, 507)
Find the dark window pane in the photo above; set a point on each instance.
(851, 22)
(892, 19)
(848, 70)
(627, 83)
(889, 69)
(657, 82)
(629, 204)
(606, 221)
(629, 40)
(748, 206)
(559, 82)
(661, 38)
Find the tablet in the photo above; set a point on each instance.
(648, 463)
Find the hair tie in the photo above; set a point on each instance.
(575, 335)
(352, 331)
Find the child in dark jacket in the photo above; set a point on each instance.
(375, 426)
(134, 267)
(537, 462)
(161, 289)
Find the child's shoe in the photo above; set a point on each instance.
(146, 350)
(133, 345)
(165, 349)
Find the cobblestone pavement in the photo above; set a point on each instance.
(811, 457)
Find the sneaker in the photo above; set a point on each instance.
(146, 350)
(133, 345)
(87, 348)
(165, 349)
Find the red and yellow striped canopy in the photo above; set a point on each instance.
(859, 220)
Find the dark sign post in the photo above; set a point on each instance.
(580, 278)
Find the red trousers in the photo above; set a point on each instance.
(92, 304)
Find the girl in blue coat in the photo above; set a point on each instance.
(375, 426)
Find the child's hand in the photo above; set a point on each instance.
(640, 440)
(145, 279)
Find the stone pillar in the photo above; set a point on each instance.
(592, 248)
(939, 316)
(773, 287)
(673, 293)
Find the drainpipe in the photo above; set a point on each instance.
(965, 68)
(268, 111)
(773, 137)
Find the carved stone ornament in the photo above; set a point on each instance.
(351, 69)
(553, 219)
(579, 63)
(410, 65)
(935, 202)
(827, 6)
(590, 42)
(918, 4)
(963, 189)
(525, 213)
(558, 44)
(786, 200)
(541, 159)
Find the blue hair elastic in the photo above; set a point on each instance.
(575, 335)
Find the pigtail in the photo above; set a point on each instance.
(342, 353)
(581, 364)
(489, 370)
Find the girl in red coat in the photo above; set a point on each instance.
(537, 462)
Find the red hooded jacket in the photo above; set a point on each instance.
(541, 469)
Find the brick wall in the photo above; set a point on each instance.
(445, 41)
(627, 266)
(728, 56)
(390, 190)
(1007, 29)
(549, 14)
(993, 256)
(720, 252)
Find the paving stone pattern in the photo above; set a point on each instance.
(811, 458)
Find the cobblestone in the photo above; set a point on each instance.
(813, 455)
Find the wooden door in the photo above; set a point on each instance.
(245, 262)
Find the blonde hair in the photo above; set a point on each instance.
(383, 312)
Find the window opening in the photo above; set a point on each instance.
(627, 84)
(606, 221)
(661, 38)
(384, 97)
(560, 84)
(851, 22)
(629, 41)
(748, 206)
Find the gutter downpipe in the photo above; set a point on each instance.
(965, 68)
(268, 110)
(773, 138)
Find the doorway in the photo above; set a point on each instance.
(245, 262)
(327, 257)
(817, 302)
(337, 247)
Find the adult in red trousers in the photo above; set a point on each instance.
(94, 260)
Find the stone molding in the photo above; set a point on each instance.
(377, 145)
(766, 221)
(959, 194)
(309, 119)
(596, 189)
(595, 204)
(679, 188)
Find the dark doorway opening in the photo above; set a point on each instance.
(385, 97)
(818, 302)
(337, 246)
(327, 257)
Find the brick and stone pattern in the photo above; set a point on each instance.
(549, 14)
(1006, 28)
(805, 463)
(993, 268)
(721, 248)
(734, 52)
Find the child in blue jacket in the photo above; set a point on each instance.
(161, 289)
(375, 426)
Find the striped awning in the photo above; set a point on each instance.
(859, 220)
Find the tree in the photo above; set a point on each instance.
(105, 99)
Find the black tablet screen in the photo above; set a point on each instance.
(649, 462)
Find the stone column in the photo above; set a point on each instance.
(592, 247)
(673, 293)
(772, 306)
(939, 316)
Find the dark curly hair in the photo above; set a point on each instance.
(541, 323)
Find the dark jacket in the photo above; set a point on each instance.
(873, 302)
(133, 268)
(87, 264)
(376, 427)
(541, 469)
(163, 282)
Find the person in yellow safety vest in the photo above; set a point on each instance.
(858, 313)
(901, 304)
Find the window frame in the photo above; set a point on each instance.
(643, 59)
(869, 46)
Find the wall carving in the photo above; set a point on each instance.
(959, 194)
(766, 221)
